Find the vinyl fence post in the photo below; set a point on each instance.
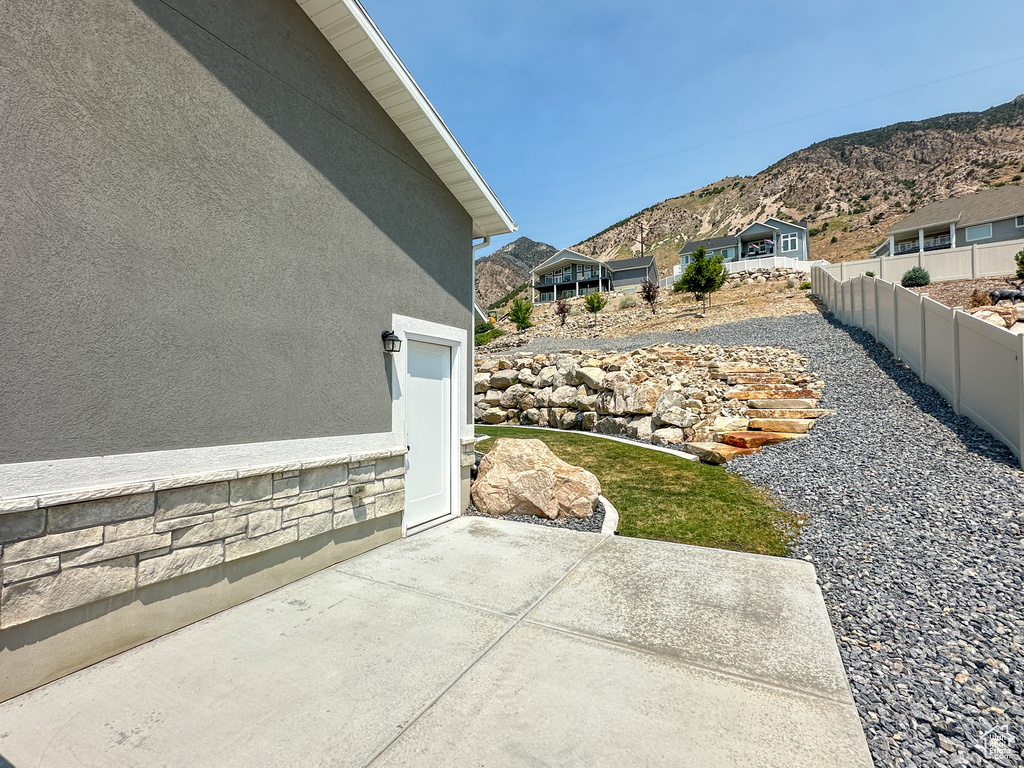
(974, 259)
(924, 350)
(956, 359)
(1020, 400)
(842, 271)
(878, 331)
(863, 294)
(895, 324)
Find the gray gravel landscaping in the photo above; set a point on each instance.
(913, 521)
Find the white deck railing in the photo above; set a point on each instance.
(770, 262)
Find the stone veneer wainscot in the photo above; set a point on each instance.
(67, 550)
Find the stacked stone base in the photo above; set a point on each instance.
(89, 574)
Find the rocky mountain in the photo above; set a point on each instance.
(508, 268)
(851, 188)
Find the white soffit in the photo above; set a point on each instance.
(355, 37)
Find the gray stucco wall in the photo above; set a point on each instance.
(205, 223)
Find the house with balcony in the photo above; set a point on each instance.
(568, 274)
(762, 239)
(989, 216)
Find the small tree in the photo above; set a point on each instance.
(649, 292)
(1019, 258)
(562, 309)
(703, 276)
(519, 313)
(594, 303)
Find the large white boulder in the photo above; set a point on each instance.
(523, 477)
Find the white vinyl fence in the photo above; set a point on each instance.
(976, 366)
(978, 260)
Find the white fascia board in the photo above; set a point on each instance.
(352, 33)
(787, 223)
(757, 224)
(928, 226)
(566, 255)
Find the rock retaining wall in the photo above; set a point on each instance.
(764, 275)
(666, 394)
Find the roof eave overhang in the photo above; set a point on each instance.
(558, 258)
(925, 226)
(352, 33)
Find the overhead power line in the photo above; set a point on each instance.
(761, 129)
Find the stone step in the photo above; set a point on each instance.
(725, 368)
(757, 439)
(787, 413)
(753, 378)
(782, 425)
(787, 403)
(779, 392)
(717, 453)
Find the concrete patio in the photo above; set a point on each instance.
(477, 643)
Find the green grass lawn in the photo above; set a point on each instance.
(660, 496)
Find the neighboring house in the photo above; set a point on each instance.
(210, 216)
(772, 237)
(989, 216)
(568, 274)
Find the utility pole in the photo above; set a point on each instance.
(642, 241)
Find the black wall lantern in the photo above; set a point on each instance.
(392, 343)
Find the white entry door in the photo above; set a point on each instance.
(428, 423)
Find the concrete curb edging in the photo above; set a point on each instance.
(648, 446)
(610, 527)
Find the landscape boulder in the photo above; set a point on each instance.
(504, 379)
(670, 410)
(523, 477)
(1000, 316)
(640, 429)
(667, 436)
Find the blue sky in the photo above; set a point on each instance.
(581, 112)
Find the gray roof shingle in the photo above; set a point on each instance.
(977, 208)
(710, 244)
(639, 261)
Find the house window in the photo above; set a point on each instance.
(790, 242)
(980, 232)
(1020, 221)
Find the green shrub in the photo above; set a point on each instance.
(790, 283)
(806, 285)
(869, 273)
(519, 313)
(1019, 259)
(483, 328)
(483, 338)
(834, 239)
(915, 277)
(626, 302)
